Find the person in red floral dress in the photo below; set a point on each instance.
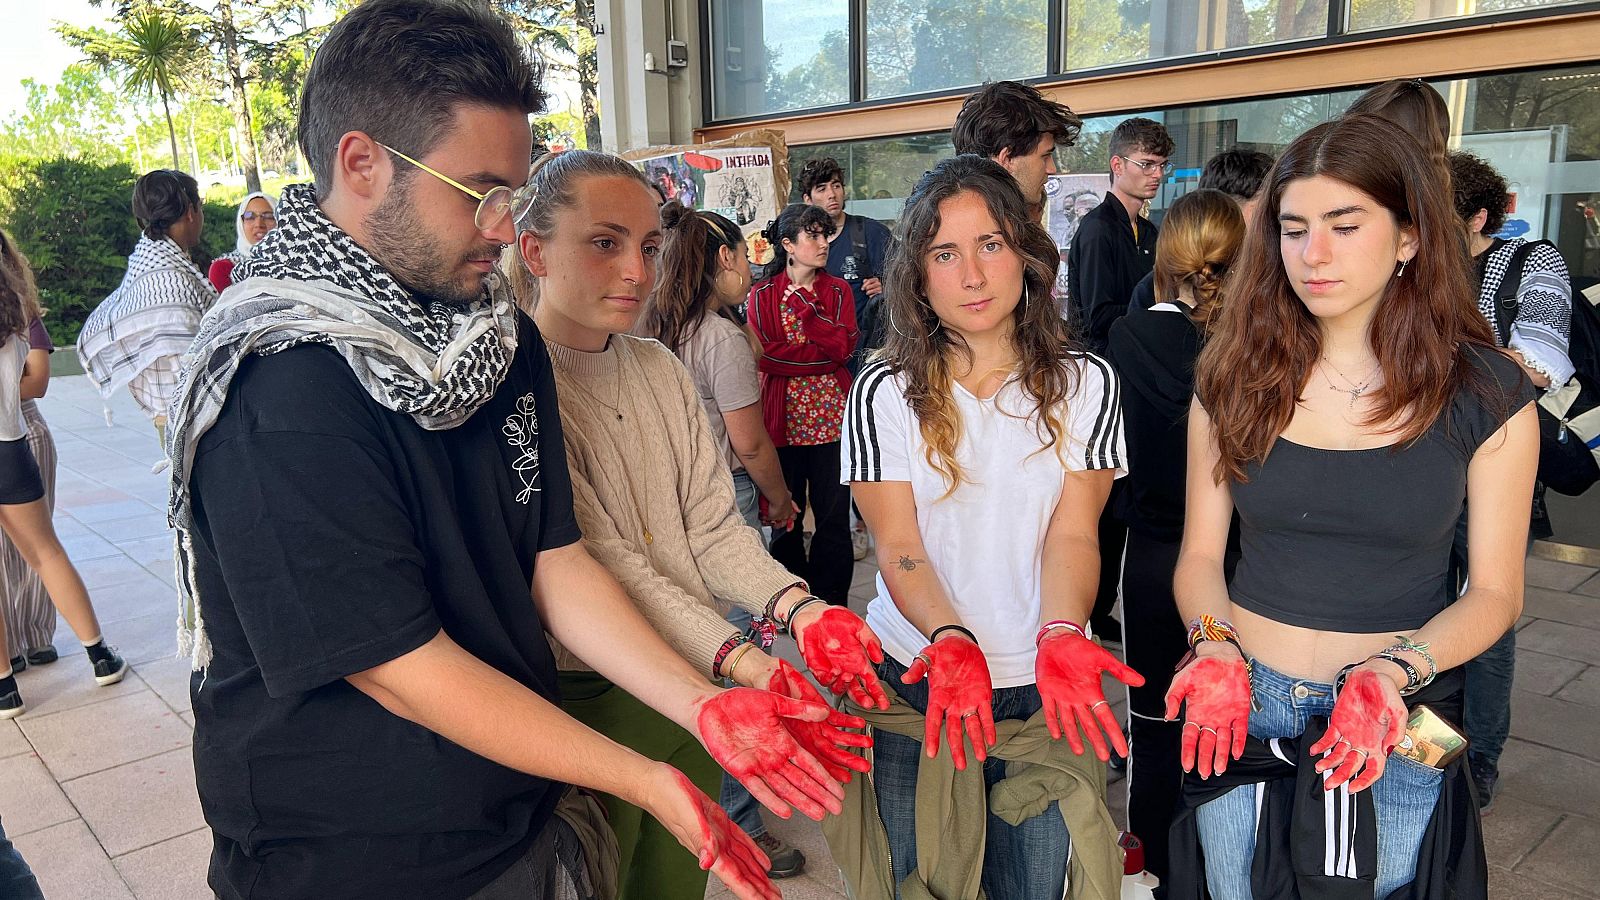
(806, 320)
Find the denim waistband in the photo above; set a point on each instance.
(1267, 680)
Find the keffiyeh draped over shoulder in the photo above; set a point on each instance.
(308, 281)
(151, 316)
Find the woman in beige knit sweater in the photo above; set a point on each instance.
(655, 499)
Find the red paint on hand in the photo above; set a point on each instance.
(746, 732)
(1215, 694)
(840, 649)
(724, 848)
(960, 696)
(1368, 719)
(1067, 671)
(825, 740)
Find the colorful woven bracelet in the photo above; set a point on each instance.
(728, 646)
(772, 602)
(1211, 628)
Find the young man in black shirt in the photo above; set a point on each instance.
(1115, 244)
(857, 252)
(1017, 127)
(369, 479)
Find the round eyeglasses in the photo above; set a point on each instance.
(1146, 166)
(495, 206)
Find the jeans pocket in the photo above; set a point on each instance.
(1409, 772)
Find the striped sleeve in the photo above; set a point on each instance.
(876, 419)
(1094, 416)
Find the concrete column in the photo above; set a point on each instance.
(640, 108)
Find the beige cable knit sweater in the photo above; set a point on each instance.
(643, 463)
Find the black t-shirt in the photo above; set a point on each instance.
(331, 535)
(1359, 540)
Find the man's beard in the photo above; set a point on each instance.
(402, 245)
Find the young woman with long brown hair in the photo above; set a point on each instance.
(1348, 403)
(1154, 352)
(980, 447)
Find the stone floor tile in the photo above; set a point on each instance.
(1513, 828)
(153, 635)
(1507, 885)
(1561, 639)
(70, 865)
(171, 870)
(1590, 588)
(115, 509)
(188, 717)
(153, 552)
(11, 740)
(134, 527)
(139, 803)
(1567, 856)
(169, 678)
(30, 797)
(1548, 777)
(141, 595)
(1556, 575)
(1585, 689)
(96, 737)
(1540, 673)
(113, 570)
(92, 493)
(67, 526)
(87, 546)
(1559, 606)
(67, 683)
(1556, 723)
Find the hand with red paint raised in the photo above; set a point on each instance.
(1067, 671)
(746, 731)
(1214, 691)
(841, 651)
(705, 830)
(1368, 720)
(960, 696)
(825, 740)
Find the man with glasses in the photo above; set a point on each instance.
(376, 524)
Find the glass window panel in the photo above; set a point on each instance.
(878, 174)
(1117, 32)
(774, 55)
(1366, 14)
(928, 45)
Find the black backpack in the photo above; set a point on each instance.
(1569, 417)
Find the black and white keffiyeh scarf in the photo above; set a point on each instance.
(309, 282)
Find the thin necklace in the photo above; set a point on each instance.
(615, 407)
(1354, 390)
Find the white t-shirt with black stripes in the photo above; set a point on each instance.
(986, 540)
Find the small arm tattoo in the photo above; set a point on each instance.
(907, 564)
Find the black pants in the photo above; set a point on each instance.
(1154, 638)
(812, 474)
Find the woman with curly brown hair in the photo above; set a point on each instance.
(1347, 404)
(980, 447)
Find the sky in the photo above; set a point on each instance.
(30, 49)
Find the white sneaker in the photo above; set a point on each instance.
(860, 543)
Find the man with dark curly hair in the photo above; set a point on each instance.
(857, 251)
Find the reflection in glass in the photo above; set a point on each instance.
(1117, 32)
(772, 55)
(928, 45)
(878, 174)
(1365, 14)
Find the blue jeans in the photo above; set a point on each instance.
(1020, 862)
(737, 802)
(1488, 699)
(1403, 799)
(16, 879)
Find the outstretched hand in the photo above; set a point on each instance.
(841, 651)
(1368, 720)
(825, 740)
(706, 831)
(960, 696)
(1215, 694)
(746, 731)
(1067, 671)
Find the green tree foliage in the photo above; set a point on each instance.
(71, 217)
(822, 80)
(76, 118)
(925, 45)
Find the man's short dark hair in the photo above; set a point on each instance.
(1141, 135)
(396, 69)
(818, 172)
(1009, 115)
(1478, 186)
(1236, 172)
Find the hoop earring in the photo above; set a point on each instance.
(896, 326)
(1402, 272)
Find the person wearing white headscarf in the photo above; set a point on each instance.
(252, 222)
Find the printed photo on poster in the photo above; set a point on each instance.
(737, 182)
(1067, 199)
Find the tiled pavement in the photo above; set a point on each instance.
(97, 788)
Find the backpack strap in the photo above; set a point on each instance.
(1506, 304)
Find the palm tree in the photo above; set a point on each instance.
(151, 52)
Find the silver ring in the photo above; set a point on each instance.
(1208, 728)
(1195, 724)
(965, 715)
(1100, 704)
(926, 660)
(1364, 754)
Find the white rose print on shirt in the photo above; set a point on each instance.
(522, 432)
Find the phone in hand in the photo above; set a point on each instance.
(1429, 739)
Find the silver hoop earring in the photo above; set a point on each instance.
(1402, 272)
(896, 326)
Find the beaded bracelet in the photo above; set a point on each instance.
(1420, 648)
(728, 646)
(934, 636)
(1073, 627)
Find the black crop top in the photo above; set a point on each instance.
(1358, 541)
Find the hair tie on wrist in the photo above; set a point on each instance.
(957, 628)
